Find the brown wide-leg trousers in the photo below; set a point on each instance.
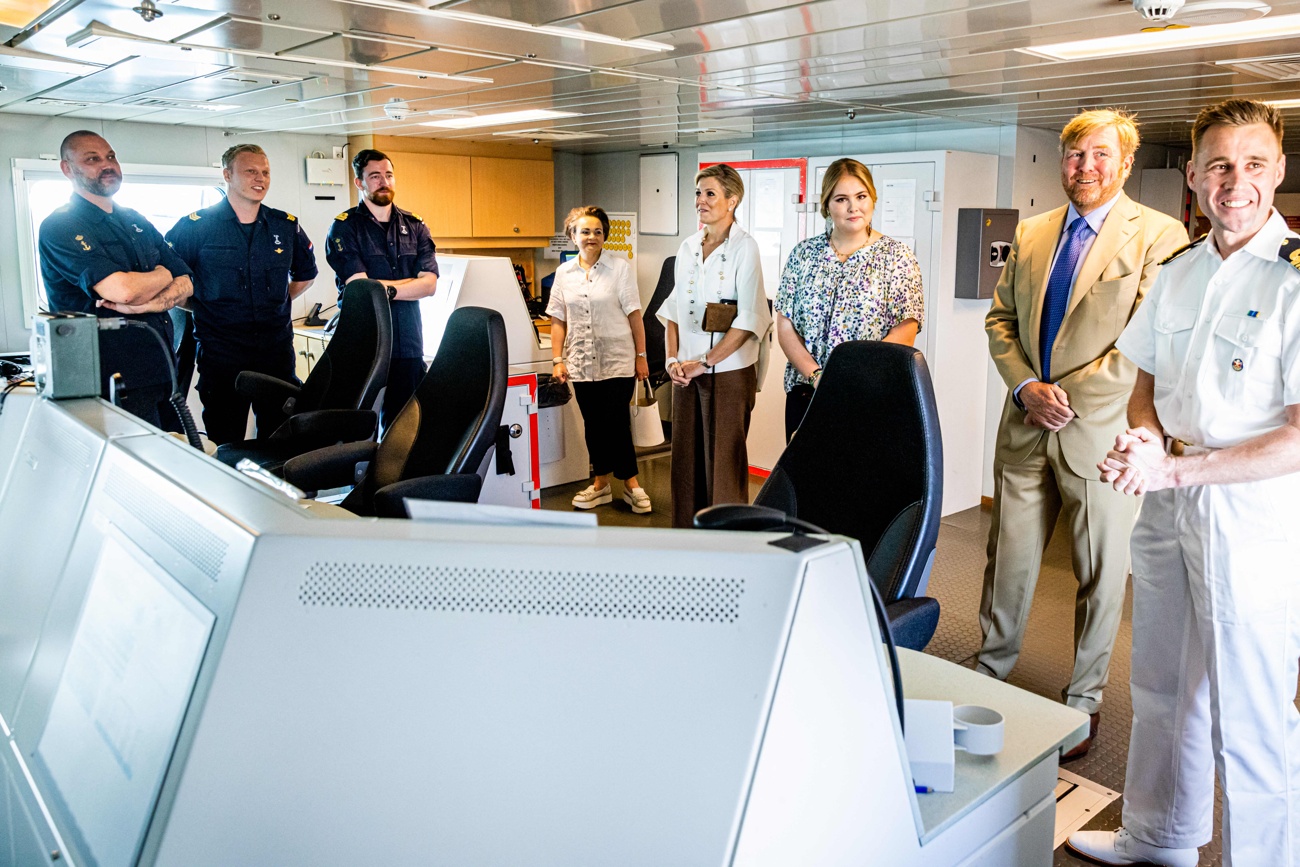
(710, 423)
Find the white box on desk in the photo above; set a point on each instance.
(929, 739)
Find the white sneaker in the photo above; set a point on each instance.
(638, 499)
(1121, 847)
(590, 497)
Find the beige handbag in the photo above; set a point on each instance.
(647, 427)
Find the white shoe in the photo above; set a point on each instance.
(590, 497)
(1121, 847)
(638, 499)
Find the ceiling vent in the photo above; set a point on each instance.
(549, 134)
(1199, 12)
(1283, 67)
(61, 103)
(184, 105)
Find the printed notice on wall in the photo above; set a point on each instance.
(896, 210)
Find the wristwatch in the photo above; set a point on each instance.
(555, 361)
(669, 362)
(704, 359)
(392, 292)
(640, 355)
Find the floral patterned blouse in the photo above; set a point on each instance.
(829, 302)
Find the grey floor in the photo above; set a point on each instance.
(1048, 652)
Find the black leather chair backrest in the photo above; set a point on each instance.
(451, 421)
(654, 329)
(354, 366)
(867, 462)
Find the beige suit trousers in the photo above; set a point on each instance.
(1028, 497)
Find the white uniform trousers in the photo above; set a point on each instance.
(1216, 639)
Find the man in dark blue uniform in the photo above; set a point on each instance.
(380, 241)
(101, 258)
(249, 261)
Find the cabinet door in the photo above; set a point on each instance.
(513, 198)
(436, 187)
(302, 365)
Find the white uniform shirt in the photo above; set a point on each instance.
(731, 272)
(1222, 338)
(594, 306)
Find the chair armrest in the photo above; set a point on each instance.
(331, 467)
(740, 516)
(390, 500)
(329, 426)
(259, 386)
(913, 621)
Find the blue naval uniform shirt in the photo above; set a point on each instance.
(79, 246)
(357, 242)
(241, 303)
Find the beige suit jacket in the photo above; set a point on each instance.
(1116, 274)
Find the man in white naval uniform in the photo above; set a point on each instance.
(1214, 442)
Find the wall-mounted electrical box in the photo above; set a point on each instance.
(327, 172)
(984, 237)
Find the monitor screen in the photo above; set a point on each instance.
(120, 701)
(566, 255)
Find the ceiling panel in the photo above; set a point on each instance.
(750, 70)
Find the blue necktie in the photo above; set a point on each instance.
(1057, 297)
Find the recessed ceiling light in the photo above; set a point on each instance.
(1281, 27)
(499, 119)
(1283, 103)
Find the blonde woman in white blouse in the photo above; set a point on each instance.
(599, 342)
(714, 319)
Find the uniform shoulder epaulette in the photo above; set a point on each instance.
(290, 217)
(415, 217)
(1289, 252)
(196, 216)
(341, 217)
(1181, 250)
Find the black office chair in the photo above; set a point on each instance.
(334, 404)
(437, 444)
(867, 462)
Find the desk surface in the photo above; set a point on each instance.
(1035, 728)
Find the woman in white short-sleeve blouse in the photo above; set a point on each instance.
(851, 283)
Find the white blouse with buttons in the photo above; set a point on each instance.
(731, 273)
(1222, 338)
(594, 305)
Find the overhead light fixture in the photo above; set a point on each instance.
(97, 30)
(508, 24)
(1147, 42)
(540, 135)
(499, 119)
(21, 58)
(1283, 103)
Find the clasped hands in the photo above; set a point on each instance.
(1138, 463)
(683, 372)
(1046, 405)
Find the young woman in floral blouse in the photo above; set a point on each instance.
(851, 283)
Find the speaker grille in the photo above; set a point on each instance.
(191, 540)
(523, 591)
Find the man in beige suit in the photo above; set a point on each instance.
(1073, 280)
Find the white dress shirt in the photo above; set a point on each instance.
(731, 273)
(1222, 338)
(594, 305)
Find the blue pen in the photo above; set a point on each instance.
(923, 790)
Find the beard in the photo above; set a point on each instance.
(106, 184)
(1092, 195)
(382, 198)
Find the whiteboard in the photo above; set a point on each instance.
(659, 194)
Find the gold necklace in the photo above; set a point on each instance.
(844, 257)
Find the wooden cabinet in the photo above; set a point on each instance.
(437, 187)
(512, 198)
